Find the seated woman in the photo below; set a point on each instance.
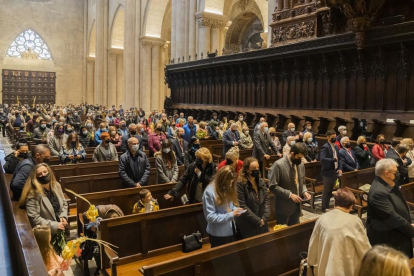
(172, 132)
(58, 140)
(275, 140)
(253, 197)
(337, 234)
(232, 159)
(146, 203)
(116, 140)
(246, 141)
(196, 177)
(43, 199)
(311, 146)
(166, 163)
(55, 265)
(155, 139)
(202, 132)
(189, 155)
(105, 151)
(68, 129)
(220, 207)
(380, 149)
(85, 137)
(363, 154)
(72, 151)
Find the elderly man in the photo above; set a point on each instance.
(179, 146)
(287, 182)
(337, 233)
(132, 133)
(291, 131)
(347, 157)
(231, 138)
(257, 126)
(398, 154)
(123, 130)
(388, 218)
(40, 154)
(262, 145)
(190, 129)
(102, 129)
(134, 167)
(179, 118)
(342, 133)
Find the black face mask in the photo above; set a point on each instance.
(196, 146)
(44, 179)
(255, 173)
(159, 129)
(234, 131)
(229, 161)
(107, 141)
(347, 145)
(333, 140)
(382, 141)
(182, 135)
(133, 132)
(397, 177)
(46, 160)
(73, 144)
(272, 134)
(199, 163)
(23, 155)
(296, 161)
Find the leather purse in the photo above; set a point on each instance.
(192, 242)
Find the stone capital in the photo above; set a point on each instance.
(206, 19)
(116, 51)
(152, 41)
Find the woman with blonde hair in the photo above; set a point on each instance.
(202, 132)
(232, 159)
(382, 260)
(275, 140)
(220, 207)
(363, 154)
(43, 199)
(72, 151)
(55, 265)
(311, 146)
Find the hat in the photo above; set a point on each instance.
(104, 135)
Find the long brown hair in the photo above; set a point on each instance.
(243, 174)
(167, 157)
(42, 235)
(32, 184)
(69, 141)
(225, 186)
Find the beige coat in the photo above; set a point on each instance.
(337, 244)
(40, 210)
(99, 153)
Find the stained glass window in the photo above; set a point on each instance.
(29, 39)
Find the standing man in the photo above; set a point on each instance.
(398, 154)
(3, 121)
(287, 182)
(179, 146)
(262, 145)
(190, 129)
(330, 165)
(132, 133)
(257, 126)
(342, 133)
(388, 217)
(134, 167)
(241, 123)
(40, 133)
(231, 138)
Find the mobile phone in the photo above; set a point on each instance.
(242, 212)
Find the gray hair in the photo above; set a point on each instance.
(290, 138)
(344, 138)
(341, 128)
(234, 125)
(262, 124)
(384, 165)
(132, 138)
(190, 117)
(132, 125)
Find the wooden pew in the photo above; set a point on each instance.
(274, 253)
(407, 191)
(209, 143)
(84, 168)
(313, 180)
(267, 164)
(245, 153)
(54, 160)
(354, 180)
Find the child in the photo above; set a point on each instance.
(146, 204)
(54, 264)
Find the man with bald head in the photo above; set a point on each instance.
(134, 167)
(132, 133)
(291, 131)
(40, 154)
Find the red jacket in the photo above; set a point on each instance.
(378, 152)
(154, 142)
(238, 167)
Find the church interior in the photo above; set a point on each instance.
(207, 137)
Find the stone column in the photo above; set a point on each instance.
(130, 78)
(204, 36)
(90, 77)
(112, 77)
(216, 36)
(155, 77)
(180, 30)
(286, 5)
(192, 29)
(120, 80)
(101, 66)
(163, 86)
(173, 29)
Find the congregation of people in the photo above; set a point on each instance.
(234, 192)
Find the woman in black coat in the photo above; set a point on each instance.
(253, 197)
(363, 154)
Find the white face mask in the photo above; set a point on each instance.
(241, 119)
(292, 143)
(166, 150)
(309, 127)
(310, 140)
(135, 148)
(344, 132)
(113, 132)
(292, 129)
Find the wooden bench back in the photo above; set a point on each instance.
(358, 178)
(243, 154)
(54, 160)
(267, 164)
(313, 169)
(275, 253)
(408, 192)
(84, 169)
(209, 143)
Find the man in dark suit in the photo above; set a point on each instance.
(287, 182)
(347, 157)
(231, 138)
(397, 152)
(179, 146)
(388, 218)
(261, 142)
(330, 168)
(132, 133)
(291, 131)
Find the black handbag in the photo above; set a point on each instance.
(192, 242)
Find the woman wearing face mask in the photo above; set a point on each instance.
(290, 141)
(172, 132)
(189, 155)
(85, 137)
(72, 151)
(105, 151)
(312, 148)
(155, 139)
(69, 129)
(166, 164)
(202, 132)
(232, 159)
(43, 199)
(246, 141)
(196, 177)
(58, 140)
(115, 138)
(275, 140)
(252, 195)
(220, 206)
(380, 149)
(364, 154)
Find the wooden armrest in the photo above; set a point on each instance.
(67, 199)
(113, 257)
(410, 204)
(355, 191)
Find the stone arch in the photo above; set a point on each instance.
(154, 15)
(117, 38)
(92, 41)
